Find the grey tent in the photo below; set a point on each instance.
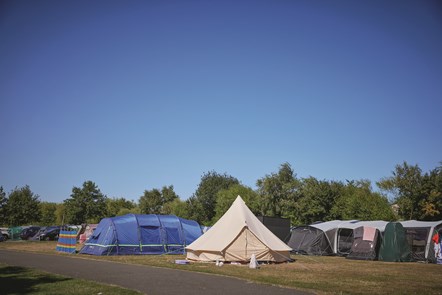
(340, 233)
(309, 240)
(366, 243)
(419, 234)
(279, 226)
(395, 246)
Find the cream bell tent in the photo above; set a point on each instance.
(236, 236)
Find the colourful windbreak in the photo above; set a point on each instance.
(67, 241)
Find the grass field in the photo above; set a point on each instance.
(20, 280)
(321, 275)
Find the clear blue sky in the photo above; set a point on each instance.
(135, 95)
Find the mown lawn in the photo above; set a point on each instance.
(21, 280)
(321, 275)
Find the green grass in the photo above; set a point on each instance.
(321, 275)
(21, 280)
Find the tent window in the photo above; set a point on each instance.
(417, 238)
(345, 240)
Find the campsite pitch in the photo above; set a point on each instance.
(22, 280)
(146, 279)
(317, 274)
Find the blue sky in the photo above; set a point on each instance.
(135, 95)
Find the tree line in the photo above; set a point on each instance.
(416, 195)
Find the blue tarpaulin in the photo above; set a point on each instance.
(134, 234)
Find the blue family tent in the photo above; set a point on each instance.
(135, 234)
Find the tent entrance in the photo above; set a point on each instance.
(244, 245)
(417, 238)
(308, 240)
(366, 244)
(345, 240)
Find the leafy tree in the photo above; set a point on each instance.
(86, 204)
(406, 185)
(47, 211)
(315, 201)
(358, 201)
(431, 200)
(168, 194)
(3, 207)
(226, 197)
(202, 204)
(277, 189)
(418, 196)
(178, 208)
(124, 211)
(23, 207)
(59, 214)
(196, 210)
(115, 206)
(153, 201)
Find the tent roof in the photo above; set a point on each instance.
(351, 224)
(328, 225)
(230, 225)
(415, 223)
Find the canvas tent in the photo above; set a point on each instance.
(309, 240)
(141, 234)
(366, 243)
(419, 235)
(395, 247)
(236, 236)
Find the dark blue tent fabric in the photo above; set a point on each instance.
(134, 234)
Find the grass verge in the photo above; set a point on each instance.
(321, 275)
(21, 280)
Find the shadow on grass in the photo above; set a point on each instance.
(20, 280)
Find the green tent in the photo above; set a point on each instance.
(395, 246)
(14, 232)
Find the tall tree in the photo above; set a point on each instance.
(168, 194)
(178, 208)
(431, 195)
(196, 210)
(225, 198)
(406, 186)
(315, 200)
(60, 214)
(203, 202)
(276, 189)
(124, 211)
(23, 207)
(115, 206)
(86, 204)
(47, 211)
(358, 201)
(3, 204)
(153, 201)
